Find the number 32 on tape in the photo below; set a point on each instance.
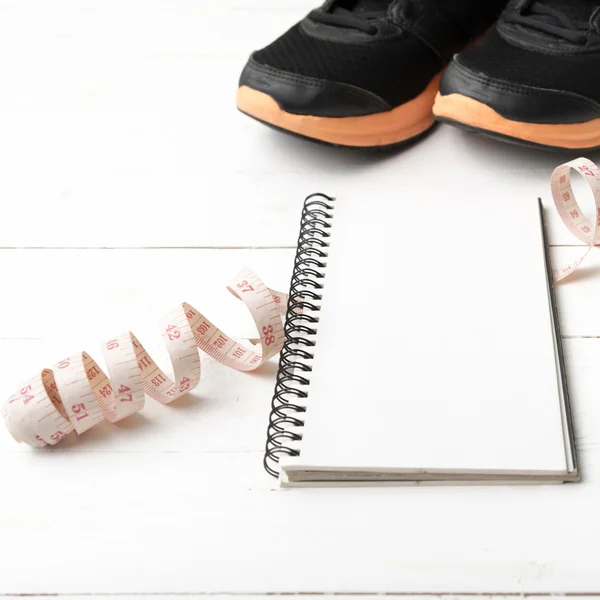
(76, 394)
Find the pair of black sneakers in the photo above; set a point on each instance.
(377, 73)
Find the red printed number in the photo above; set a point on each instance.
(158, 380)
(63, 364)
(220, 341)
(586, 170)
(239, 352)
(92, 372)
(268, 333)
(106, 391)
(78, 410)
(244, 286)
(27, 397)
(185, 384)
(143, 363)
(173, 332)
(112, 344)
(125, 397)
(203, 328)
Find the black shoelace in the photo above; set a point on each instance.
(342, 17)
(547, 19)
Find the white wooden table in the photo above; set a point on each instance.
(129, 183)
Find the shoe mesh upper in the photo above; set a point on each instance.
(396, 67)
(578, 10)
(366, 5)
(396, 70)
(495, 57)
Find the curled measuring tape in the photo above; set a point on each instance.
(76, 394)
(570, 211)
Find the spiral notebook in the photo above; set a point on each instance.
(421, 348)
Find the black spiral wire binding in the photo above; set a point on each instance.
(287, 410)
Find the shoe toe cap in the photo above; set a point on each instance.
(303, 95)
(517, 101)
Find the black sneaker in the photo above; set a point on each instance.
(361, 73)
(533, 79)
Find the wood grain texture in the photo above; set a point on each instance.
(119, 131)
(348, 596)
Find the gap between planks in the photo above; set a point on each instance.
(292, 247)
(421, 595)
(280, 247)
(39, 339)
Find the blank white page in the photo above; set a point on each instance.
(434, 348)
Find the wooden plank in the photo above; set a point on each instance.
(83, 296)
(340, 596)
(212, 522)
(111, 29)
(115, 195)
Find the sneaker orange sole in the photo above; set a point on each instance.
(396, 126)
(464, 111)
